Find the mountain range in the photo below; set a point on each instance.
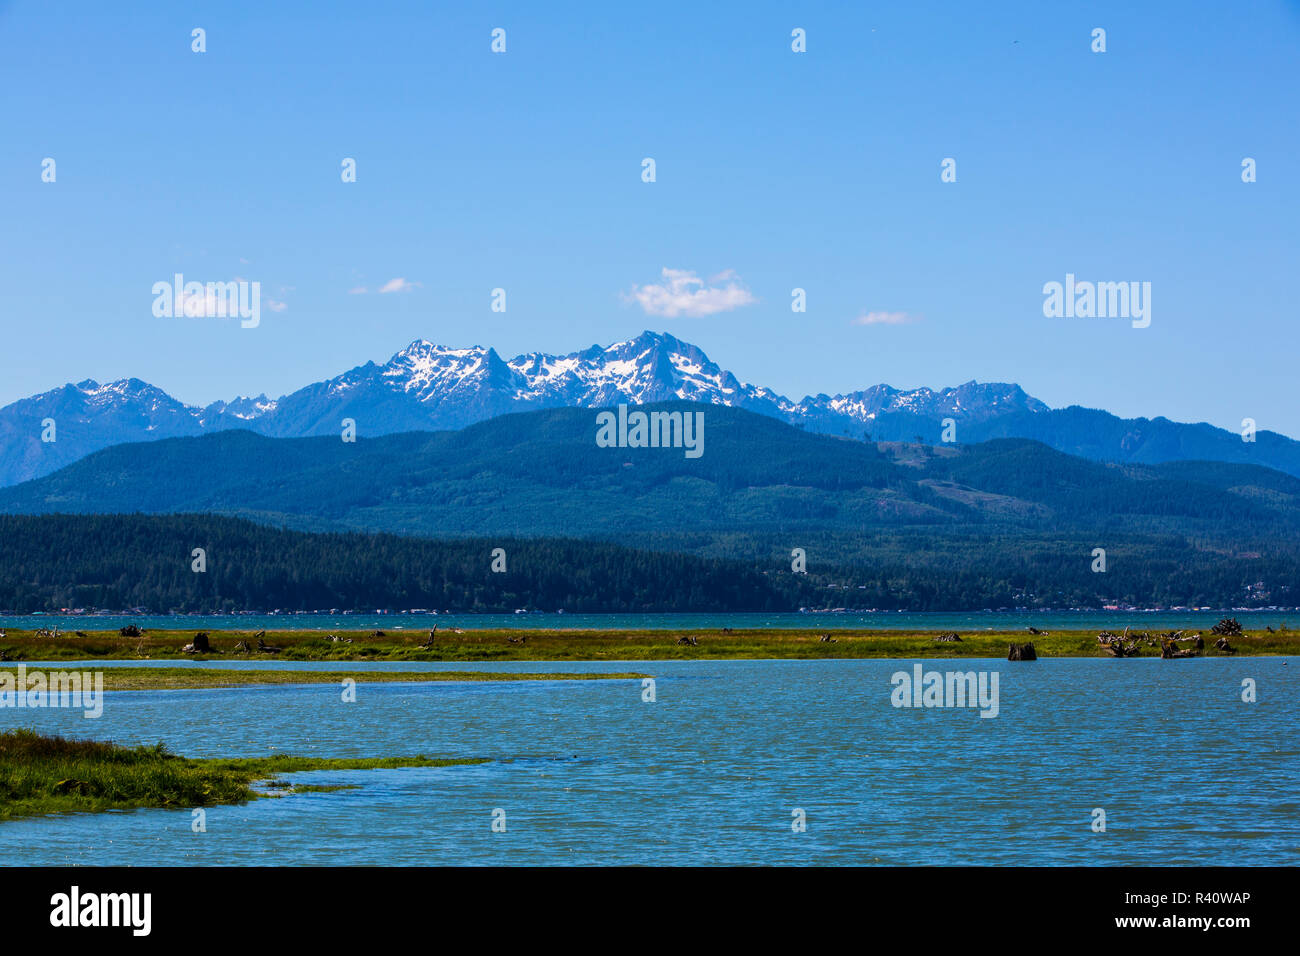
(427, 387)
(986, 524)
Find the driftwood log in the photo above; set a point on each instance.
(950, 637)
(1229, 626)
(1169, 650)
(1022, 652)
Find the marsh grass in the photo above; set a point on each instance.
(41, 774)
(472, 646)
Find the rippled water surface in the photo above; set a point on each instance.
(588, 773)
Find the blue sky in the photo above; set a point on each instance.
(774, 170)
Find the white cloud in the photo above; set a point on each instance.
(359, 290)
(885, 318)
(275, 305)
(684, 293)
(397, 285)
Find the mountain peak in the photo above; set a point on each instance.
(427, 386)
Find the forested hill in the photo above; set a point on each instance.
(118, 562)
(1003, 523)
(542, 473)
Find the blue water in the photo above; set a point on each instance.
(880, 620)
(588, 773)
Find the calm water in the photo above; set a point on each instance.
(882, 620)
(710, 773)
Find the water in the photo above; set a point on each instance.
(588, 773)
(876, 620)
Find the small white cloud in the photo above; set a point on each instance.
(359, 290)
(885, 318)
(684, 293)
(397, 285)
(275, 305)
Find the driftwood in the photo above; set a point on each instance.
(1228, 626)
(242, 647)
(1033, 630)
(200, 645)
(1171, 651)
(1119, 645)
(517, 640)
(266, 648)
(827, 639)
(688, 640)
(1022, 652)
(378, 634)
(950, 637)
(1223, 645)
(131, 630)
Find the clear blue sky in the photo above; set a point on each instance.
(523, 171)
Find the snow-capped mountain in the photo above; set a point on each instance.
(431, 387)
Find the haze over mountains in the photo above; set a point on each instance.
(427, 387)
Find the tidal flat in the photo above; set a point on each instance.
(190, 678)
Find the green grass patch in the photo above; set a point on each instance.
(42, 775)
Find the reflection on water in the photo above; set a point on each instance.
(587, 773)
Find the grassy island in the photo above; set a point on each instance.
(41, 775)
(470, 646)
